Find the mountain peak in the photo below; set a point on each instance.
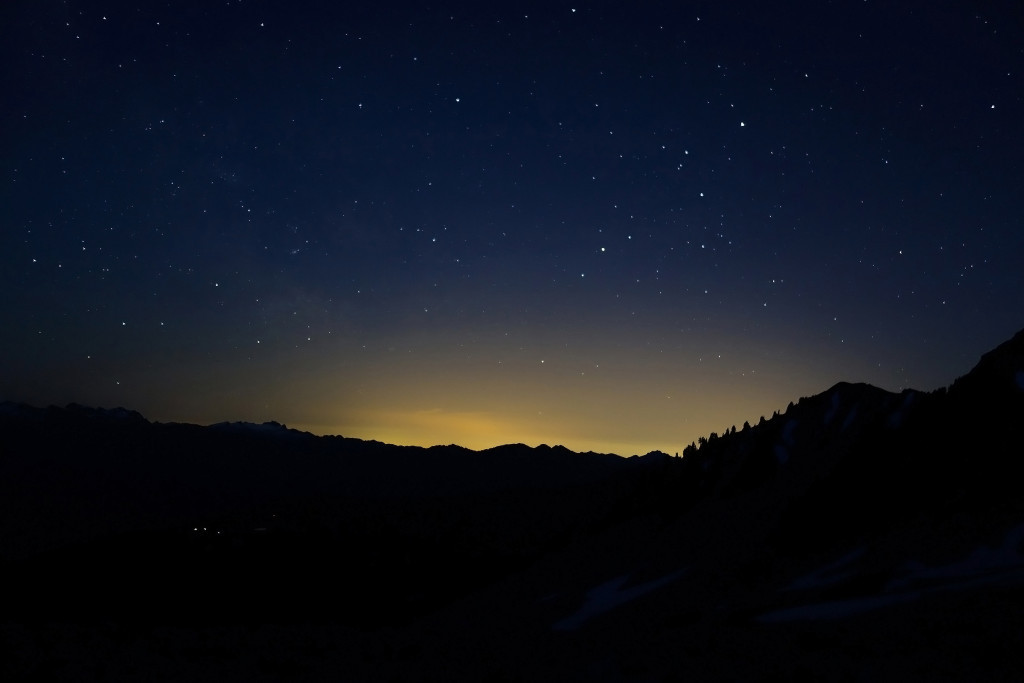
(118, 413)
(271, 427)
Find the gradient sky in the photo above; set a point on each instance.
(613, 226)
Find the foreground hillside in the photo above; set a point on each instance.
(859, 535)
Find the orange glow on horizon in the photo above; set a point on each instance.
(592, 397)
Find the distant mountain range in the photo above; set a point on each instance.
(859, 535)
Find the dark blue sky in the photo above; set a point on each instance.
(615, 226)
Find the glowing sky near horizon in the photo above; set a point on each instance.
(614, 227)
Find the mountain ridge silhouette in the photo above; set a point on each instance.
(858, 533)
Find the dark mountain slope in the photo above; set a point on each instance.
(319, 528)
(71, 474)
(859, 535)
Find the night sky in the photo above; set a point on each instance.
(613, 226)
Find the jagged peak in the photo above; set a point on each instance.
(271, 427)
(118, 413)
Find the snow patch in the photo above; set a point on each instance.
(782, 449)
(829, 574)
(836, 609)
(787, 432)
(896, 419)
(832, 409)
(983, 566)
(610, 595)
(850, 417)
